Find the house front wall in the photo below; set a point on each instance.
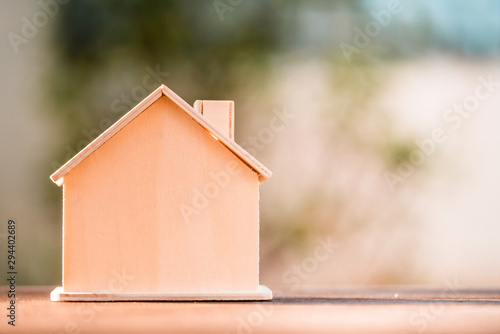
(161, 206)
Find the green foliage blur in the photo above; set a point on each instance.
(239, 50)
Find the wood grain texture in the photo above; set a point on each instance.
(303, 310)
(161, 206)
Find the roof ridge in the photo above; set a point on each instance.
(162, 90)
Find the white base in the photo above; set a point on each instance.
(58, 295)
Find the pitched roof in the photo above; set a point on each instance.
(163, 90)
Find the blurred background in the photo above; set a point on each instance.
(386, 154)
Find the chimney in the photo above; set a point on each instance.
(219, 113)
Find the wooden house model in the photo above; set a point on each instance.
(163, 205)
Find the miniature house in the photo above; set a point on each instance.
(163, 205)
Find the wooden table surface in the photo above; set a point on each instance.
(304, 310)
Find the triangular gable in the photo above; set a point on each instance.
(163, 90)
